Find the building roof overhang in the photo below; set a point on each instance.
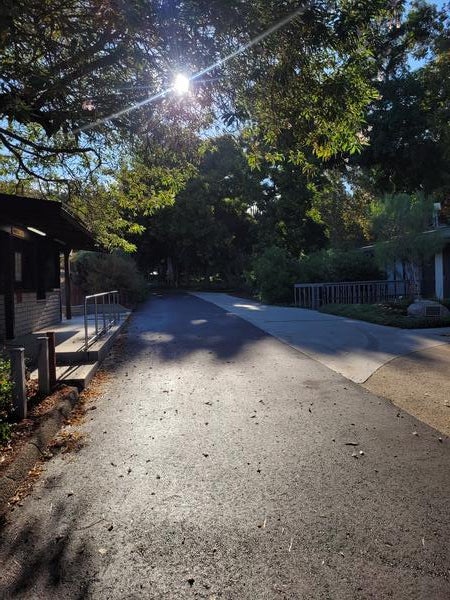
(443, 231)
(49, 217)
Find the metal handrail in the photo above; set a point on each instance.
(319, 284)
(111, 306)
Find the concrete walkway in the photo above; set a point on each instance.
(352, 348)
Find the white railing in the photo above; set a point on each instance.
(314, 295)
(106, 314)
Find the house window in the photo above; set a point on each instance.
(24, 265)
(18, 267)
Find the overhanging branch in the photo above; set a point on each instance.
(44, 148)
(16, 152)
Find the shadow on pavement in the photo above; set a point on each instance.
(50, 553)
(176, 325)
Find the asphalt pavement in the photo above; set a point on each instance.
(221, 463)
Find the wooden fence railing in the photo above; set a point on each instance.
(314, 295)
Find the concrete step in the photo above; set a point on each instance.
(77, 367)
(70, 352)
(77, 375)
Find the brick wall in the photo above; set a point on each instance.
(32, 314)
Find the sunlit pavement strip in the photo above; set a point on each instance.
(353, 348)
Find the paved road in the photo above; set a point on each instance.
(216, 467)
(352, 348)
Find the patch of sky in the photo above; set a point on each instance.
(413, 62)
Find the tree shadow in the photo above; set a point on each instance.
(174, 326)
(44, 556)
(333, 340)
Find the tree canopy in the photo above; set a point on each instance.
(209, 230)
(298, 118)
(71, 71)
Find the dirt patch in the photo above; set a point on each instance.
(68, 440)
(419, 384)
(39, 409)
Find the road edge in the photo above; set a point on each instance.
(35, 447)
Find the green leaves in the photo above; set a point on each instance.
(208, 231)
(401, 224)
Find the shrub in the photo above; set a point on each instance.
(275, 272)
(95, 272)
(273, 275)
(6, 388)
(338, 265)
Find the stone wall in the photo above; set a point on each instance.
(32, 314)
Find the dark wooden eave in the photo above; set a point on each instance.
(47, 216)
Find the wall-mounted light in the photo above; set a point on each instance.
(38, 231)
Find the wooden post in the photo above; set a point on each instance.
(51, 357)
(43, 366)
(18, 375)
(9, 288)
(67, 286)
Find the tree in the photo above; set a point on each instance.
(408, 125)
(341, 203)
(208, 232)
(408, 149)
(85, 94)
(70, 65)
(283, 216)
(401, 227)
(304, 92)
(71, 71)
(145, 180)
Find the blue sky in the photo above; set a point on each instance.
(414, 64)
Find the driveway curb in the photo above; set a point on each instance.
(36, 445)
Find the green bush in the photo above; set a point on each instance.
(273, 275)
(338, 265)
(95, 272)
(6, 388)
(400, 304)
(275, 272)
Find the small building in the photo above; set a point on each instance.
(434, 273)
(35, 235)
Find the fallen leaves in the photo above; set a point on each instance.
(22, 432)
(67, 441)
(27, 485)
